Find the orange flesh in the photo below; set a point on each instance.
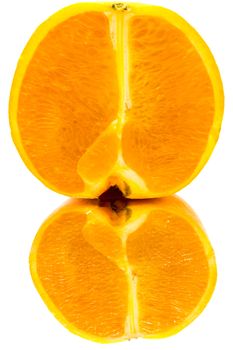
(67, 98)
(97, 161)
(172, 269)
(109, 92)
(172, 104)
(88, 288)
(111, 281)
(130, 99)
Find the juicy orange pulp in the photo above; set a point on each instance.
(129, 96)
(125, 95)
(146, 273)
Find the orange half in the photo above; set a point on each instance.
(147, 271)
(115, 94)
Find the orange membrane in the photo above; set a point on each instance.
(110, 279)
(131, 94)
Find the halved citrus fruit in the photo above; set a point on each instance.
(144, 270)
(125, 95)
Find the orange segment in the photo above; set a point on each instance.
(62, 105)
(109, 280)
(169, 259)
(103, 238)
(82, 286)
(140, 68)
(92, 166)
(172, 104)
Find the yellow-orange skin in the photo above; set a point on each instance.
(173, 205)
(173, 18)
(170, 203)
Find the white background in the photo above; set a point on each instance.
(25, 202)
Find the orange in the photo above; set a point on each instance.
(146, 270)
(111, 101)
(115, 94)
